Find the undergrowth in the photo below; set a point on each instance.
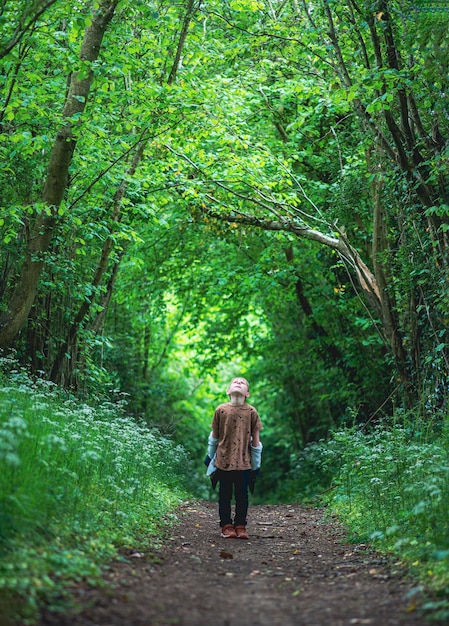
(78, 483)
(390, 487)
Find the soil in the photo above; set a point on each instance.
(295, 570)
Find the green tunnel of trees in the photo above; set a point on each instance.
(196, 190)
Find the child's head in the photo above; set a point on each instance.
(238, 385)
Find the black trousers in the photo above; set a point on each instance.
(233, 482)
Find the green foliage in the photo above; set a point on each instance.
(389, 485)
(77, 483)
(144, 292)
(282, 112)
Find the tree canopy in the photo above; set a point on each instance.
(191, 191)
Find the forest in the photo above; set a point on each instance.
(193, 191)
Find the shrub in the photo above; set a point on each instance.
(390, 486)
(76, 483)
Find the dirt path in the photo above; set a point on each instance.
(295, 570)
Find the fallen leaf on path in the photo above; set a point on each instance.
(226, 555)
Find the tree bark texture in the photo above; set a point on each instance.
(389, 317)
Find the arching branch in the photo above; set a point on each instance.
(365, 277)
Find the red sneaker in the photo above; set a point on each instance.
(241, 532)
(228, 532)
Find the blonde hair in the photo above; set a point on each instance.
(240, 378)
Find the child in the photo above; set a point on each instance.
(235, 451)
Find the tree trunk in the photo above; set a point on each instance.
(12, 321)
(56, 371)
(389, 317)
(191, 9)
(59, 365)
(97, 324)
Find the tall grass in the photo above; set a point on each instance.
(77, 483)
(390, 486)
